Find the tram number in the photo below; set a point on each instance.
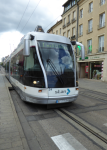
(50, 89)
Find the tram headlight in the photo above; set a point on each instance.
(35, 82)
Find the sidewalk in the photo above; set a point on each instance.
(11, 133)
(95, 85)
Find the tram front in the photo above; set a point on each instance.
(57, 63)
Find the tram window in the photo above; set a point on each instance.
(33, 71)
(31, 62)
(17, 66)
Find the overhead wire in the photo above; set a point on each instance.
(23, 14)
(30, 16)
(51, 22)
(20, 22)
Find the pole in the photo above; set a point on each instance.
(77, 27)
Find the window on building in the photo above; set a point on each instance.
(73, 2)
(102, 20)
(90, 22)
(64, 34)
(57, 32)
(102, 2)
(74, 14)
(60, 30)
(69, 18)
(81, 13)
(101, 44)
(81, 30)
(89, 46)
(73, 31)
(69, 34)
(91, 7)
(67, 7)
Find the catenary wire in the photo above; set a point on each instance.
(30, 16)
(23, 14)
(51, 22)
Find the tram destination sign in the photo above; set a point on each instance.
(52, 45)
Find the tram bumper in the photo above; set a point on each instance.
(50, 100)
(58, 100)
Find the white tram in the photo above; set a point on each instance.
(43, 68)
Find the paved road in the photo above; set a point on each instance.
(50, 129)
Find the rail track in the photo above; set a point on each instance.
(96, 135)
(93, 94)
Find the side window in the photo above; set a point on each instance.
(17, 63)
(13, 67)
(31, 63)
(33, 75)
(7, 67)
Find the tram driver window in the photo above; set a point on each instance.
(31, 63)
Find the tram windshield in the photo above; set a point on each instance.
(58, 61)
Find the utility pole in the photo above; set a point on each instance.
(77, 26)
(77, 73)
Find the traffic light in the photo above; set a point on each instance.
(79, 47)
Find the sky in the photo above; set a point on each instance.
(17, 17)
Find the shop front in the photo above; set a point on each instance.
(96, 70)
(92, 67)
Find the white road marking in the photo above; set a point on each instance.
(105, 124)
(67, 142)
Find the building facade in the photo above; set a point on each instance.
(85, 21)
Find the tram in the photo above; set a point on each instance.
(42, 69)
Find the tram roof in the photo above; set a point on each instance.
(50, 37)
(42, 37)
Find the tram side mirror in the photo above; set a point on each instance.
(82, 49)
(26, 50)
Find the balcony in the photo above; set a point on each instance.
(80, 34)
(102, 25)
(68, 23)
(89, 30)
(99, 50)
(73, 20)
(73, 37)
(64, 26)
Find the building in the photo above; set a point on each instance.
(85, 21)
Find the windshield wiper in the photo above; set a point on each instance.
(55, 70)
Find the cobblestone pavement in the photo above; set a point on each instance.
(11, 133)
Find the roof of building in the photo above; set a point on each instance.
(66, 3)
(54, 25)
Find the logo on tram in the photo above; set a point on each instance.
(68, 91)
